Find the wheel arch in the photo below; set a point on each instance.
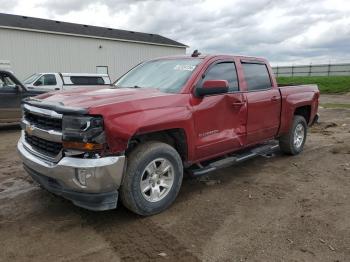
(175, 137)
(304, 111)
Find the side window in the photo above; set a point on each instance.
(100, 81)
(6, 82)
(50, 80)
(256, 76)
(77, 80)
(223, 71)
(40, 81)
(88, 80)
(46, 80)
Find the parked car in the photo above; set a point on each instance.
(61, 81)
(135, 139)
(12, 91)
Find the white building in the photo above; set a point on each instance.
(31, 45)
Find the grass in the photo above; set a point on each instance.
(326, 84)
(335, 105)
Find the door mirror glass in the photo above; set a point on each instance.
(213, 87)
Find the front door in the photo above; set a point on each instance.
(10, 100)
(46, 83)
(220, 120)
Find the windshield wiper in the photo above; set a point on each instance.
(136, 86)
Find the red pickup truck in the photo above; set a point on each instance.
(134, 139)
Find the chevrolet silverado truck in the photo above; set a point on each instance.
(133, 140)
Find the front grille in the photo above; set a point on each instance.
(43, 122)
(44, 146)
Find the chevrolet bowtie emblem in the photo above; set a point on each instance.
(29, 129)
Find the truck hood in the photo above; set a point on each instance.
(109, 101)
(96, 97)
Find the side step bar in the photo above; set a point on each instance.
(262, 150)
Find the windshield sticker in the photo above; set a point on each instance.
(184, 67)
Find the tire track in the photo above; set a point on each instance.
(138, 239)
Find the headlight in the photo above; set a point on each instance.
(83, 132)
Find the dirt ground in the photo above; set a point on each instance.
(277, 209)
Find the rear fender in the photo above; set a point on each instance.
(293, 101)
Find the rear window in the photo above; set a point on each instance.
(256, 76)
(87, 80)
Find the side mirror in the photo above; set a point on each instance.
(213, 87)
(38, 83)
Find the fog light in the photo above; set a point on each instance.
(83, 175)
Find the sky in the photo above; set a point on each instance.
(284, 31)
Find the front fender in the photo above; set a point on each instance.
(120, 129)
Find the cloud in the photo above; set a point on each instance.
(65, 6)
(7, 5)
(284, 31)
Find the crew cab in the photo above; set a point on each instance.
(135, 139)
(61, 81)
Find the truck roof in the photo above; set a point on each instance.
(74, 74)
(209, 56)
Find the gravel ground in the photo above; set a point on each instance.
(276, 209)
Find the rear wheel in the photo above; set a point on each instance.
(293, 142)
(153, 178)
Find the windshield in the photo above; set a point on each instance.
(167, 75)
(31, 79)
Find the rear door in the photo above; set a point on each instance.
(264, 103)
(220, 120)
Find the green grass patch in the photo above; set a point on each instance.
(326, 84)
(335, 105)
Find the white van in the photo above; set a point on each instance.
(61, 81)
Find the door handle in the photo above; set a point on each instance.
(274, 98)
(238, 104)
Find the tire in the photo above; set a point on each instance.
(288, 142)
(144, 191)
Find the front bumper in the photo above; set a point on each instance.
(103, 177)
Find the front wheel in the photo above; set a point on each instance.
(293, 142)
(153, 178)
